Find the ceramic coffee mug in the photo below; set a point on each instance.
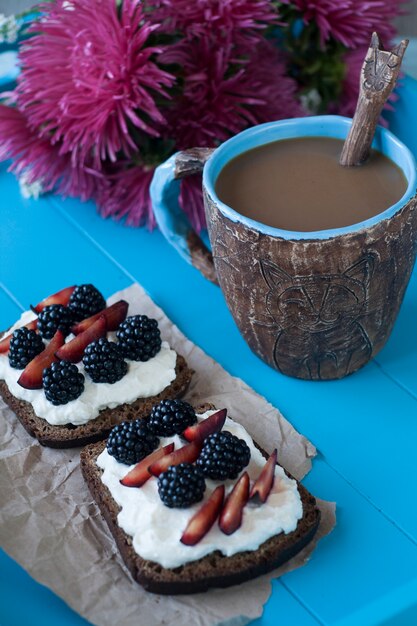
(314, 305)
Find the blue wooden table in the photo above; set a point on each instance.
(365, 427)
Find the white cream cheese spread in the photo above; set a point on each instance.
(143, 379)
(156, 529)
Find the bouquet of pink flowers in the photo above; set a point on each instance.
(108, 89)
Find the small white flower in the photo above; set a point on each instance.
(311, 101)
(9, 29)
(2, 28)
(13, 30)
(30, 190)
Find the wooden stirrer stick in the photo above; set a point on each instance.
(378, 77)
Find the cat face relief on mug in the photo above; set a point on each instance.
(311, 311)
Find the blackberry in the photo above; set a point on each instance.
(223, 456)
(103, 362)
(25, 344)
(181, 485)
(85, 301)
(139, 338)
(62, 382)
(130, 442)
(171, 417)
(52, 318)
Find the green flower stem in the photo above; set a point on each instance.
(316, 67)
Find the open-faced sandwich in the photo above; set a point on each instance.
(72, 367)
(193, 503)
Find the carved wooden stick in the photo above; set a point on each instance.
(378, 77)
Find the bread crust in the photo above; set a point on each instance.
(70, 436)
(213, 570)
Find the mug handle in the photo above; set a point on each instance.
(172, 221)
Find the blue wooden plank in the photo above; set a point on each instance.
(284, 609)
(41, 252)
(399, 356)
(366, 429)
(147, 258)
(24, 601)
(10, 310)
(338, 416)
(394, 609)
(362, 562)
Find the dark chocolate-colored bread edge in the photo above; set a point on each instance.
(70, 436)
(213, 570)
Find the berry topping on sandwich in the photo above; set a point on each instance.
(73, 350)
(181, 486)
(85, 301)
(103, 361)
(62, 382)
(223, 456)
(114, 314)
(200, 524)
(171, 417)
(140, 473)
(5, 343)
(232, 513)
(52, 318)
(130, 442)
(186, 454)
(31, 377)
(25, 344)
(263, 484)
(212, 424)
(139, 338)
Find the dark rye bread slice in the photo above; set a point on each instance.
(71, 436)
(213, 570)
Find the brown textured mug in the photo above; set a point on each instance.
(314, 305)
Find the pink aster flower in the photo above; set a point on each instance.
(40, 161)
(241, 20)
(125, 194)
(222, 95)
(88, 77)
(266, 76)
(351, 21)
(191, 201)
(211, 105)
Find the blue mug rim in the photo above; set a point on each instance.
(319, 126)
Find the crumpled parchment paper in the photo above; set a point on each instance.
(50, 525)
